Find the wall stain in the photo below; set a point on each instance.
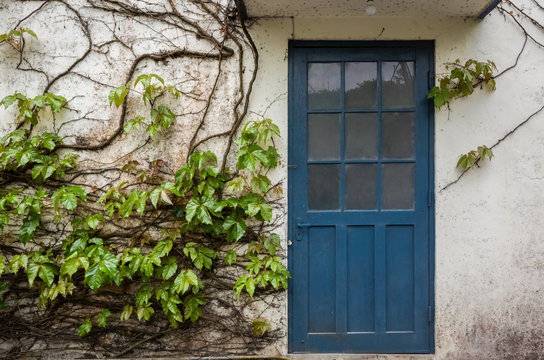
(518, 334)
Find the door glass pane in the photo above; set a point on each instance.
(398, 135)
(361, 186)
(324, 187)
(398, 84)
(361, 86)
(398, 186)
(323, 136)
(361, 136)
(323, 86)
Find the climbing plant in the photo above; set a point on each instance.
(461, 82)
(196, 202)
(464, 78)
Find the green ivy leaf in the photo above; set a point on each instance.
(140, 202)
(135, 123)
(17, 262)
(195, 209)
(162, 248)
(47, 273)
(103, 316)
(8, 100)
(85, 327)
(169, 268)
(272, 243)
(2, 265)
(260, 182)
(235, 228)
(260, 326)
(250, 286)
(117, 96)
(108, 264)
(165, 116)
(127, 311)
(266, 212)
(71, 266)
(236, 184)
(32, 272)
(192, 305)
(147, 266)
(69, 201)
(143, 295)
(230, 257)
(184, 281)
(92, 221)
(135, 263)
(245, 282)
(26, 232)
(154, 196)
(144, 312)
(137, 199)
(67, 196)
(94, 277)
(254, 266)
(30, 32)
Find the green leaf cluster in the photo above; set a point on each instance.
(208, 208)
(471, 158)
(263, 269)
(462, 80)
(256, 147)
(16, 32)
(30, 107)
(260, 326)
(151, 87)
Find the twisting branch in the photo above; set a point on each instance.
(508, 134)
(240, 116)
(208, 103)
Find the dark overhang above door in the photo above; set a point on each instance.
(351, 8)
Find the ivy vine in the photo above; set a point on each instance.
(202, 201)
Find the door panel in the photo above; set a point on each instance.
(360, 211)
(360, 281)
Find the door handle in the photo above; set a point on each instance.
(300, 227)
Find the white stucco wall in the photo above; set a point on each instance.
(489, 226)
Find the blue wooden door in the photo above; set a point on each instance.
(360, 197)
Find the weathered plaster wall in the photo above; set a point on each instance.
(119, 41)
(489, 238)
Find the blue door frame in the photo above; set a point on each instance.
(345, 262)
